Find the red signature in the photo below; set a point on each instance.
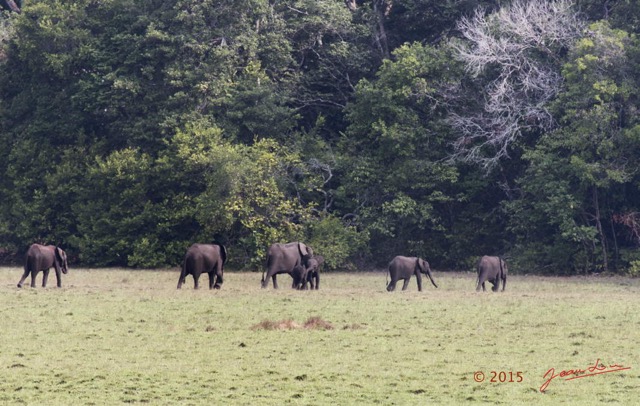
(596, 369)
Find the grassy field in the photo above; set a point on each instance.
(113, 336)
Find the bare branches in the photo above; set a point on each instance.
(327, 174)
(632, 221)
(515, 51)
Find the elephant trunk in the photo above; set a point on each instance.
(431, 277)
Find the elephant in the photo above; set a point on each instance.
(402, 267)
(492, 269)
(298, 273)
(284, 258)
(42, 258)
(207, 258)
(312, 272)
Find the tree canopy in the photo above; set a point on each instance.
(368, 129)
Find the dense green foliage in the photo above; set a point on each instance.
(129, 130)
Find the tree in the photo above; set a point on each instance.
(429, 21)
(620, 14)
(579, 176)
(394, 179)
(514, 54)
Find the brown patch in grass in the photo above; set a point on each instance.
(276, 325)
(316, 323)
(313, 323)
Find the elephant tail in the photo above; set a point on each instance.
(266, 266)
(223, 252)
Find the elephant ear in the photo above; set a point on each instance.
(59, 255)
(422, 265)
(503, 267)
(304, 250)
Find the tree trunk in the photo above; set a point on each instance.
(351, 4)
(603, 241)
(381, 9)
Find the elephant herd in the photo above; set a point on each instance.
(294, 258)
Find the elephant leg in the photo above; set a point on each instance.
(181, 279)
(196, 276)
(58, 278)
(219, 275)
(212, 279)
(496, 284)
(405, 284)
(45, 277)
(504, 283)
(317, 277)
(270, 274)
(392, 285)
(419, 279)
(304, 280)
(24, 276)
(308, 280)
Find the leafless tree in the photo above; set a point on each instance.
(13, 6)
(514, 53)
(632, 221)
(327, 174)
(6, 33)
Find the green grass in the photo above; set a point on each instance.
(113, 336)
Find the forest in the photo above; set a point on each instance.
(445, 129)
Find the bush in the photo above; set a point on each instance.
(336, 242)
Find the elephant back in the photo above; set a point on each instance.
(288, 255)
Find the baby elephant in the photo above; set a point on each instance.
(297, 274)
(403, 267)
(312, 273)
(492, 269)
(308, 272)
